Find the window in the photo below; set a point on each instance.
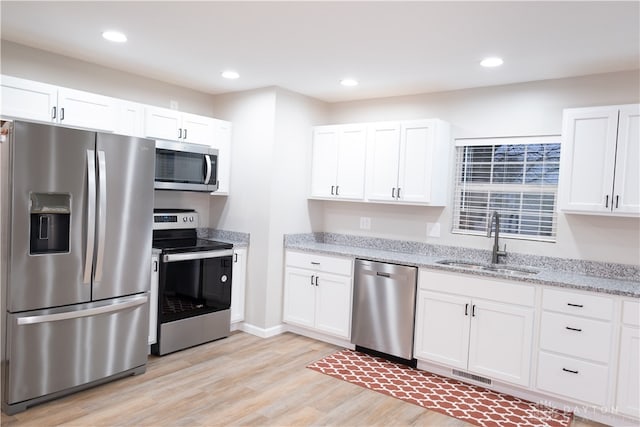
(517, 177)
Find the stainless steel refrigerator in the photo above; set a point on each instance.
(76, 235)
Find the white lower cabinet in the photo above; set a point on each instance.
(318, 293)
(484, 326)
(576, 344)
(628, 390)
(239, 280)
(153, 298)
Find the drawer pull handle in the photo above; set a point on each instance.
(573, 329)
(312, 280)
(466, 309)
(575, 305)
(570, 371)
(315, 263)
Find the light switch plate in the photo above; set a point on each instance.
(433, 229)
(173, 104)
(365, 223)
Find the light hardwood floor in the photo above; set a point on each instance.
(240, 380)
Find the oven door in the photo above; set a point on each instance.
(194, 283)
(187, 167)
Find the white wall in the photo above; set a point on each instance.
(533, 108)
(270, 151)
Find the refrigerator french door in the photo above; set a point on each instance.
(78, 244)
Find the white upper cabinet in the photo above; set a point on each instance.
(26, 99)
(338, 166)
(87, 110)
(30, 100)
(222, 141)
(408, 162)
(130, 119)
(163, 123)
(599, 171)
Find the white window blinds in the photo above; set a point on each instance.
(518, 177)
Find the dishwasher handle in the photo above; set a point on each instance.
(378, 273)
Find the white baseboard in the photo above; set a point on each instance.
(257, 331)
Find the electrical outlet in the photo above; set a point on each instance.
(433, 229)
(365, 223)
(173, 104)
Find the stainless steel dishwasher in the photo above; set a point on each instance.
(384, 301)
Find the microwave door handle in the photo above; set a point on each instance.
(91, 215)
(207, 161)
(102, 213)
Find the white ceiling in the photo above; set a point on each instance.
(392, 48)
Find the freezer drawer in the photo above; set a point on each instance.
(57, 349)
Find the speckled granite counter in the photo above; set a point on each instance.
(610, 278)
(239, 240)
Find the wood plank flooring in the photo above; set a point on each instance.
(240, 380)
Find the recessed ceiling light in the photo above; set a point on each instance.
(114, 36)
(349, 82)
(230, 74)
(493, 61)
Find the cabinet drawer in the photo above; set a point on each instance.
(631, 313)
(576, 336)
(477, 287)
(598, 307)
(324, 263)
(573, 378)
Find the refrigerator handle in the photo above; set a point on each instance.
(207, 159)
(102, 213)
(91, 215)
(67, 315)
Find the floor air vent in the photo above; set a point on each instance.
(471, 376)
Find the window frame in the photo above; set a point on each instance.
(490, 189)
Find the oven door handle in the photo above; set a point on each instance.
(196, 255)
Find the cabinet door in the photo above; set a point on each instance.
(351, 162)
(86, 110)
(324, 167)
(384, 154)
(130, 119)
(442, 328)
(626, 188)
(239, 275)
(587, 159)
(153, 299)
(25, 99)
(162, 123)
(222, 141)
(417, 141)
(333, 304)
(628, 394)
(500, 341)
(299, 297)
(198, 129)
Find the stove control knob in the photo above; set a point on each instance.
(184, 219)
(224, 278)
(190, 219)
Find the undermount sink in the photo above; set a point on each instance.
(501, 269)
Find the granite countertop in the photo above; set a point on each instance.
(615, 279)
(239, 240)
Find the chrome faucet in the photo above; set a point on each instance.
(496, 253)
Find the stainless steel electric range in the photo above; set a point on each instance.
(194, 290)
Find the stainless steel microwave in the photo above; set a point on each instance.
(186, 167)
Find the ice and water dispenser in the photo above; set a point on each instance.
(50, 219)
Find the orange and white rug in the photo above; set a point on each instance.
(470, 403)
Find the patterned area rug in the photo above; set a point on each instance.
(470, 403)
